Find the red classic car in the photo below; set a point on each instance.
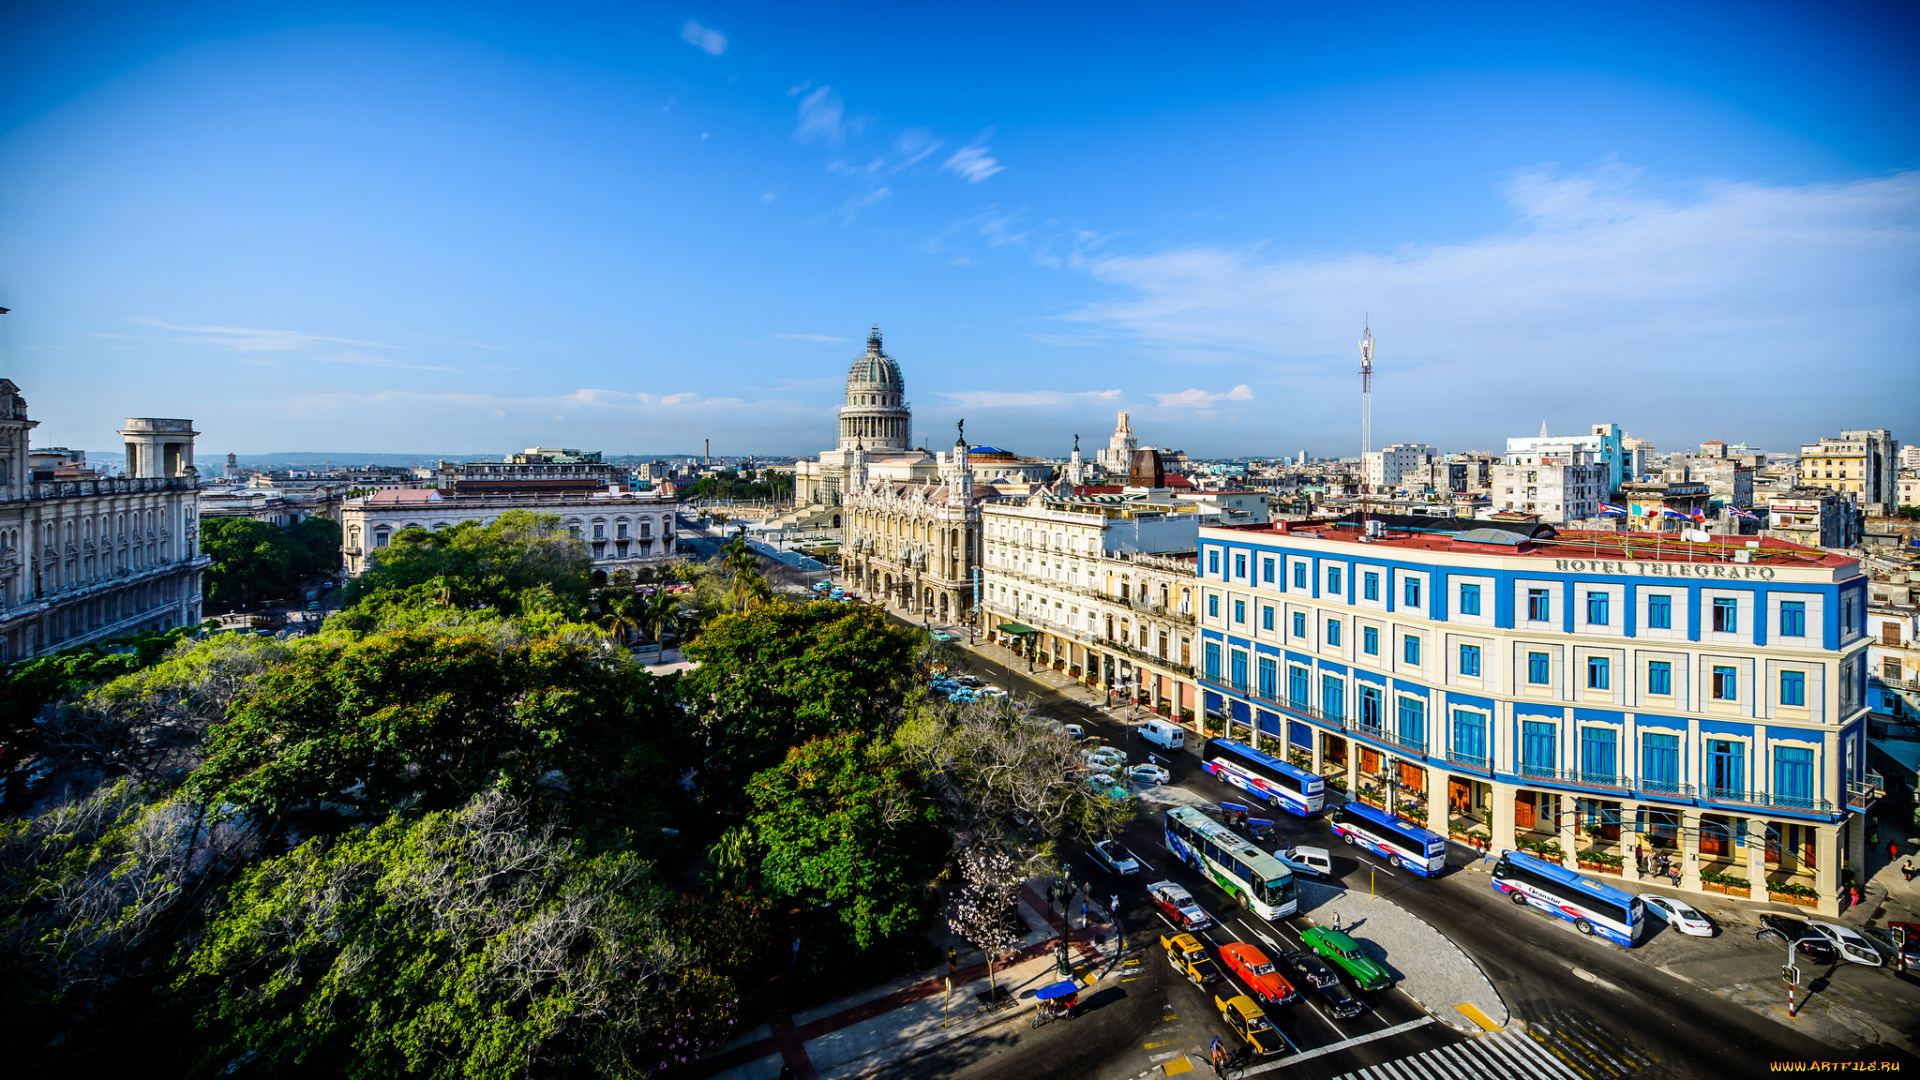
(1254, 969)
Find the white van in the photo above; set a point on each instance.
(1161, 733)
(1307, 860)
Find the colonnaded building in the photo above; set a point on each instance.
(1585, 694)
(84, 557)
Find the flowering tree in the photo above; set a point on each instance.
(982, 911)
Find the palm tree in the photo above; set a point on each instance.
(624, 613)
(659, 610)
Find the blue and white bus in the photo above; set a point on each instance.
(1264, 776)
(1591, 907)
(1399, 842)
(1252, 876)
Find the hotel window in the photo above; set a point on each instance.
(1333, 580)
(1297, 686)
(1726, 686)
(1266, 570)
(1469, 599)
(1537, 742)
(1370, 586)
(1599, 676)
(1370, 641)
(1660, 612)
(1660, 762)
(1333, 632)
(1213, 607)
(1299, 575)
(1793, 775)
(1333, 696)
(1537, 608)
(1470, 736)
(1266, 618)
(1413, 722)
(1412, 592)
(1213, 563)
(1726, 767)
(1793, 688)
(1370, 708)
(1793, 618)
(1213, 661)
(1239, 661)
(1410, 649)
(1726, 615)
(1469, 659)
(1240, 567)
(1299, 624)
(1598, 757)
(1240, 612)
(1269, 675)
(1539, 668)
(1660, 678)
(1597, 609)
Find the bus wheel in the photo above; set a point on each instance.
(1348, 838)
(1393, 861)
(1518, 896)
(1583, 926)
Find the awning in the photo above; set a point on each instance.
(1017, 628)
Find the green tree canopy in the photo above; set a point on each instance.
(471, 565)
(430, 719)
(252, 560)
(843, 821)
(777, 675)
(460, 945)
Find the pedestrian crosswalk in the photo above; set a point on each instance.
(1569, 1049)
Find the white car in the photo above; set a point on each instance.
(1179, 906)
(1106, 758)
(1307, 860)
(1073, 731)
(1851, 945)
(1114, 857)
(1149, 774)
(1679, 915)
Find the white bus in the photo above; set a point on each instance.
(1591, 907)
(1255, 878)
(1398, 842)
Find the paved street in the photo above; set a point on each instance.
(1672, 1007)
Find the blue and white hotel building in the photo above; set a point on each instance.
(1610, 692)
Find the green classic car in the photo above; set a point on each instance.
(1345, 954)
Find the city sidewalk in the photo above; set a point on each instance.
(870, 1032)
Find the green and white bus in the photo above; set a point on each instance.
(1255, 878)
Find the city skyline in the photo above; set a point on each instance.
(442, 230)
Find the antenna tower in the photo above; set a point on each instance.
(1366, 398)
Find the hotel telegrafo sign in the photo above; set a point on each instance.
(1725, 571)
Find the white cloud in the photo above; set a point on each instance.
(812, 337)
(823, 119)
(245, 339)
(702, 37)
(973, 162)
(1200, 399)
(999, 399)
(1735, 305)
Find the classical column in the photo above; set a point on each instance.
(1689, 848)
(1569, 829)
(1501, 824)
(1826, 869)
(1756, 859)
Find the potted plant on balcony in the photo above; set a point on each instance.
(1299, 759)
(1792, 892)
(1604, 862)
(1715, 881)
(1416, 814)
(1338, 782)
(1074, 671)
(1372, 797)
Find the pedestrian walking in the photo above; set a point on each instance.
(1873, 835)
(1853, 896)
(953, 960)
(1893, 851)
(1906, 870)
(1113, 902)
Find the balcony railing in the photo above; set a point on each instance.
(1469, 761)
(1578, 778)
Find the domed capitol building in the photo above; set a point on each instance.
(876, 425)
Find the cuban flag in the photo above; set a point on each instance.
(1609, 508)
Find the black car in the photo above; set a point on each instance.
(1313, 969)
(1806, 940)
(1341, 1003)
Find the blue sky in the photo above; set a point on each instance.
(463, 228)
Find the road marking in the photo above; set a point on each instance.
(1334, 1048)
(1176, 1067)
(1155, 1045)
(1271, 944)
(1478, 1017)
(1549, 1053)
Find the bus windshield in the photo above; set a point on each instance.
(1277, 891)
